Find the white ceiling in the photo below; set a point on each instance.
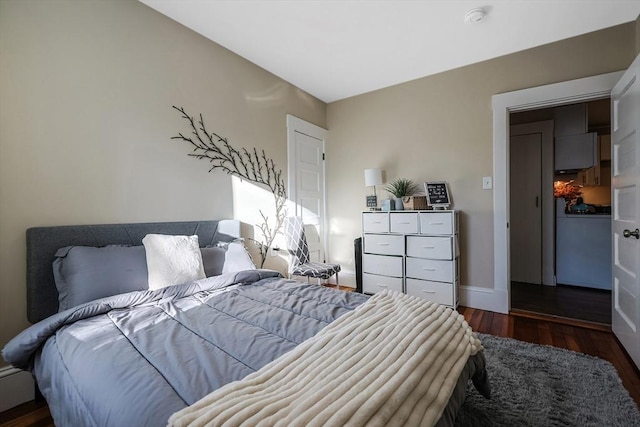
(335, 49)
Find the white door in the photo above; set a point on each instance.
(525, 207)
(625, 198)
(307, 181)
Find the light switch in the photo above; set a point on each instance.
(487, 183)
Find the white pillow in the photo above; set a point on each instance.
(237, 257)
(172, 259)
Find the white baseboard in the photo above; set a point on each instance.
(484, 299)
(16, 387)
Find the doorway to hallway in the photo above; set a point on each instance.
(570, 302)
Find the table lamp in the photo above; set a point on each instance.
(372, 177)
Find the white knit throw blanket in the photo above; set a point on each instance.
(392, 361)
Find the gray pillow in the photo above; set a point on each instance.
(84, 273)
(213, 260)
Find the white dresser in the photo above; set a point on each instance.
(415, 252)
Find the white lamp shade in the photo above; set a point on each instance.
(372, 177)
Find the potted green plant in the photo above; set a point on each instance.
(399, 188)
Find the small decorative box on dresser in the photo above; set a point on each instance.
(415, 252)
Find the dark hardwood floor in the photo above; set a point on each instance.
(31, 414)
(574, 302)
(599, 343)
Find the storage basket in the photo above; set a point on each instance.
(415, 203)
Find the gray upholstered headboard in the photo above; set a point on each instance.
(43, 242)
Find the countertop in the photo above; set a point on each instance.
(560, 213)
(584, 215)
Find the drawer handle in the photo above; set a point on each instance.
(377, 222)
(435, 223)
(428, 247)
(383, 244)
(428, 269)
(429, 292)
(404, 223)
(381, 286)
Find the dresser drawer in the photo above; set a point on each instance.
(372, 283)
(382, 264)
(406, 222)
(442, 293)
(436, 223)
(430, 247)
(375, 222)
(429, 269)
(384, 244)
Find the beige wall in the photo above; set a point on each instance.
(87, 89)
(440, 128)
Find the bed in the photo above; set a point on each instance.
(140, 355)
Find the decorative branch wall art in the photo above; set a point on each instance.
(252, 166)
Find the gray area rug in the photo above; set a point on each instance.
(534, 385)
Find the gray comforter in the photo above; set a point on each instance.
(135, 359)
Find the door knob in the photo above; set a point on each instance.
(629, 233)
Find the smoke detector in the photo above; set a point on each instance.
(474, 16)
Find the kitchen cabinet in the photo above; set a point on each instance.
(583, 249)
(415, 252)
(579, 151)
(591, 177)
(570, 119)
(597, 176)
